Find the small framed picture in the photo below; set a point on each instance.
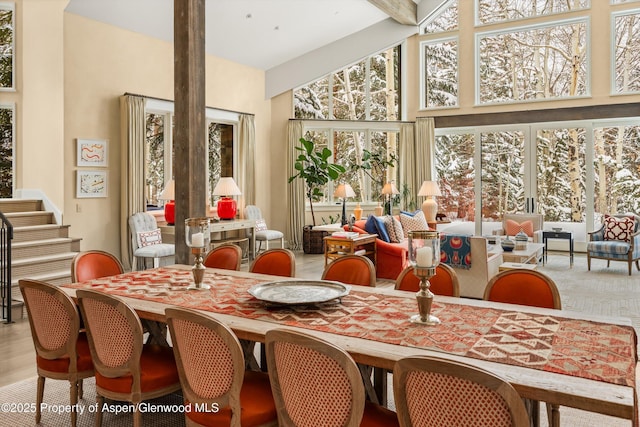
(92, 152)
(91, 184)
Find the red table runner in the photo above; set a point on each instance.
(581, 348)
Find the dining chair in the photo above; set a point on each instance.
(126, 370)
(530, 288)
(227, 257)
(212, 373)
(146, 240)
(62, 350)
(435, 392)
(276, 261)
(316, 383)
(93, 264)
(445, 281)
(262, 232)
(351, 269)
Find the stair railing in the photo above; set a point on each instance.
(6, 236)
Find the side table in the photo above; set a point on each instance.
(336, 247)
(564, 235)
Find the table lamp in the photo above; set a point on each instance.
(169, 194)
(389, 190)
(430, 189)
(343, 191)
(227, 206)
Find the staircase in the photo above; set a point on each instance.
(41, 249)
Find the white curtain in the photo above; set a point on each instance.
(425, 150)
(407, 158)
(132, 198)
(247, 161)
(295, 190)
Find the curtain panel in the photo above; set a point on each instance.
(425, 150)
(407, 159)
(295, 190)
(247, 161)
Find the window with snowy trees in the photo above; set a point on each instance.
(626, 51)
(7, 60)
(6, 150)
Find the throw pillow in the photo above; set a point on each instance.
(149, 238)
(413, 223)
(261, 225)
(513, 227)
(619, 229)
(375, 225)
(411, 213)
(370, 225)
(394, 229)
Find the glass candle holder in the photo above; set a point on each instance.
(424, 256)
(198, 237)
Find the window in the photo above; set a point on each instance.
(490, 11)
(6, 151)
(367, 90)
(7, 60)
(626, 52)
(444, 18)
(440, 73)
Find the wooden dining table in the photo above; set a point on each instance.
(566, 358)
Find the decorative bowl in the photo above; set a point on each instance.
(556, 229)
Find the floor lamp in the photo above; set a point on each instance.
(430, 190)
(343, 191)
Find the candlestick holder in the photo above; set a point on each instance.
(424, 256)
(197, 236)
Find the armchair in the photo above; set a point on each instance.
(512, 223)
(612, 243)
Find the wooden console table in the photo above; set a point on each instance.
(336, 247)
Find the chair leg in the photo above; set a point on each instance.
(588, 262)
(39, 395)
(553, 415)
(630, 266)
(73, 398)
(137, 417)
(134, 264)
(100, 402)
(282, 243)
(156, 262)
(80, 389)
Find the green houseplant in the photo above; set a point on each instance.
(313, 167)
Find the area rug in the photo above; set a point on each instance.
(18, 400)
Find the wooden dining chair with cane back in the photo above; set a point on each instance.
(227, 257)
(530, 288)
(277, 262)
(93, 264)
(212, 373)
(445, 281)
(309, 376)
(351, 269)
(430, 391)
(62, 350)
(126, 370)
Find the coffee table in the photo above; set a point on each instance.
(336, 247)
(530, 255)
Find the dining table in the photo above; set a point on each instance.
(560, 357)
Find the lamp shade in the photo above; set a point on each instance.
(169, 194)
(227, 207)
(343, 191)
(390, 188)
(429, 188)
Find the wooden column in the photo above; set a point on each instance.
(190, 162)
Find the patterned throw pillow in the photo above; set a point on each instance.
(149, 238)
(375, 225)
(619, 229)
(413, 223)
(394, 229)
(261, 225)
(514, 227)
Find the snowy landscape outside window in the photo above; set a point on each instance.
(492, 11)
(7, 59)
(441, 73)
(626, 51)
(6, 151)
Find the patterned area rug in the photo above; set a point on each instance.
(17, 401)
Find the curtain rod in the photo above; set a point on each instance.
(171, 100)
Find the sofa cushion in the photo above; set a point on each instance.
(514, 227)
(394, 229)
(413, 223)
(375, 225)
(619, 229)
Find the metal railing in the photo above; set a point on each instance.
(6, 236)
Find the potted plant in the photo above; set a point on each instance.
(314, 168)
(375, 164)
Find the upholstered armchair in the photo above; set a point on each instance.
(532, 224)
(618, 239)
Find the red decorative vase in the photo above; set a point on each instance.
(170, 212)
(227, 208)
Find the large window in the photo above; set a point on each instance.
(367, 90)
(441, 66)
(490, 11)
(6, 151)
(626, 52)
(7, 45)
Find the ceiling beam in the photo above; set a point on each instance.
(403, 11)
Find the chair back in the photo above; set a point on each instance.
(252, 212)
(54, 321)
(115, 335)
(209, 358)
(89, 265)
(351, 269)
(524, 287)
(429, 391)
(445, 282)
(277, 262)
(138, 223)
(314, 383)
(227, 257)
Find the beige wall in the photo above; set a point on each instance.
(101, 64)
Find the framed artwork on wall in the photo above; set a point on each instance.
(92, 152)
(91, 183)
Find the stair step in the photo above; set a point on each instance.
(19, 219)
(36, 248)
(39, 232)
(20, 205)
(30, 267)
(58, 277)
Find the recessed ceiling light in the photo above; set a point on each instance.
(248, 16)
(277, 27)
